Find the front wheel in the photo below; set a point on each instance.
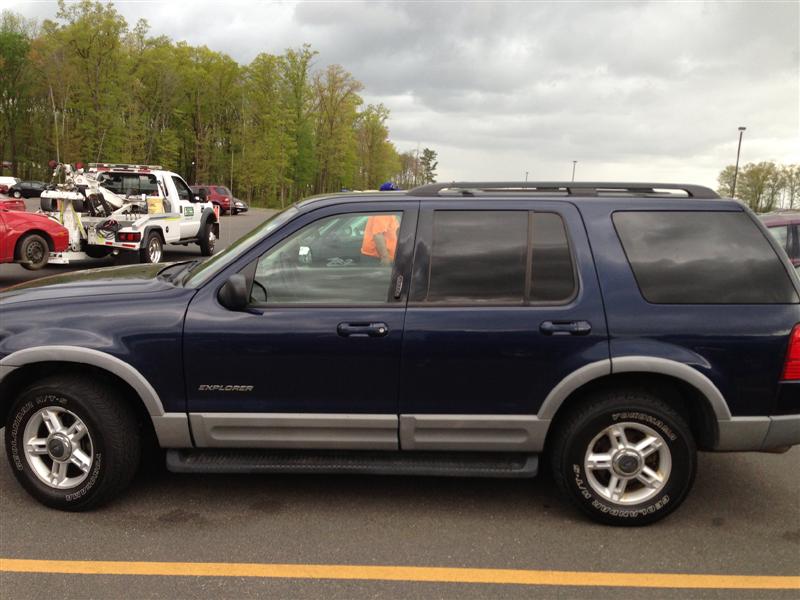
(17, 194)
(34, 252)
(72, 442)
(625, 458)
(207, 239)
(153, 249)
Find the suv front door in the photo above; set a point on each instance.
(314, 360)
(504, 305)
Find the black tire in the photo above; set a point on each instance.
(17, 194)
(111, 434)
(153, 248)
(635, 412)
(33, 252)
(206, 239)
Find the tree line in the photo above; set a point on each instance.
(88, 87)
(764, 186)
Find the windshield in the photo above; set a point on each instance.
(202, 272)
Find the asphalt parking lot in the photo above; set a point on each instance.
(187, 536)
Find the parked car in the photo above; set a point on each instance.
(785, 226)
(240, 205)
(29, 238)
(27, 189)
(218, 195)
(609, 329)
(6, 182)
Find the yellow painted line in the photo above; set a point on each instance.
(396, 573)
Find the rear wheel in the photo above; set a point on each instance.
(153, 248)
(72, 442)
(33, 252)
(624, 458)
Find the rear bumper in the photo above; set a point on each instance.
(758, 433)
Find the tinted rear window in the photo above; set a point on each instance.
(500, 257)
(702, 258)
(478, 256)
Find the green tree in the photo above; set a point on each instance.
(336, 101)
(15, 83)
(429, 164)
(299, 100)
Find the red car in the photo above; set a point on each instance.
(785, 226)
(28, 238)
(218, 195)
(12, 204)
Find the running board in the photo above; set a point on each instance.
(446, 464)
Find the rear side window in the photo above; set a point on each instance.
(499, 257)
(702, 258)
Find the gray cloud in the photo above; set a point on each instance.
(635, 90)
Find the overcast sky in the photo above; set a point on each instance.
(636, 91)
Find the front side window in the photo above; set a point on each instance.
(339, 260)
(500, 257)
(702, 258)
(224, 191)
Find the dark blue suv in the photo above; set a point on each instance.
(463, 329)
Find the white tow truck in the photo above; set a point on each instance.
(117, 208)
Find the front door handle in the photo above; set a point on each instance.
(362, 329)
(566, 328)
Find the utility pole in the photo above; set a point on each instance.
(736, 170)
(574, 162)
(526, 177)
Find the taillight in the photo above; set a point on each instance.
(791, 370)
(126, 236)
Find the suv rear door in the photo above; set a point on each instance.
(504, 304)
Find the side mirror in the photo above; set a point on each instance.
(233, 294)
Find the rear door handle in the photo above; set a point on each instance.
(362, 329)
(566, 328)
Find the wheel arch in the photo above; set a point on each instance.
(158, 229)
(24, 367)
(684, 388)
(47, 237)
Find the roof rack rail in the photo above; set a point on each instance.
(567, 188)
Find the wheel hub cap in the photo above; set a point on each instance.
(627, 463)
(59, 447)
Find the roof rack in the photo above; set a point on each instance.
(565, 188)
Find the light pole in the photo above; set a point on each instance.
(526, 177)
(574, 162)
(736, 170)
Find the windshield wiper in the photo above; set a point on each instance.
(176, 268)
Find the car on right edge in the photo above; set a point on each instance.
(785, 226)
(606, 330)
